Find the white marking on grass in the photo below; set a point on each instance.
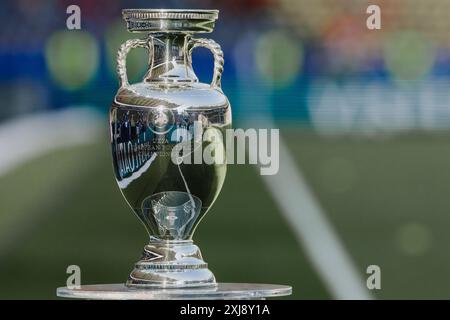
(290, 190)
(312, 229)
(303, 212)
(29, 137)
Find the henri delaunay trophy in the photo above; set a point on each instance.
(156, 164)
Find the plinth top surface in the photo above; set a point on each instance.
(222, 291)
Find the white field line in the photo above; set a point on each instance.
(26, 138)
(29, 137)
(311, 227)
(290, 190)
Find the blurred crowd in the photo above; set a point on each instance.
(318, 60)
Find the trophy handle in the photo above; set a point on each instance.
(214, 47)
(122, 56)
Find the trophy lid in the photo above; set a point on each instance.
(170, 20)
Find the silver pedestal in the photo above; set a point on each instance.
(223, 291)
(171, 264)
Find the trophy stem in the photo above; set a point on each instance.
(171, 264)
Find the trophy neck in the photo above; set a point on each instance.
(169, 58)
(170, 31)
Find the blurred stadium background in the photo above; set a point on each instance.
(364, 116)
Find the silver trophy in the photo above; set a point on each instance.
(148, 120)
(166, 186)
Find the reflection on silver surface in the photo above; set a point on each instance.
(169, 198)
(173, 211)
(142, 144)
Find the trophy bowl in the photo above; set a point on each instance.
(157, 127)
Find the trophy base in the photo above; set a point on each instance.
(171, 264)
(223, 291)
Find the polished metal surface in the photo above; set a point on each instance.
(174, 263)
(221, 292)
(147, 121)
(170, 20)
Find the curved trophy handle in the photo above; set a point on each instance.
(214, 47)
(122, 57)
